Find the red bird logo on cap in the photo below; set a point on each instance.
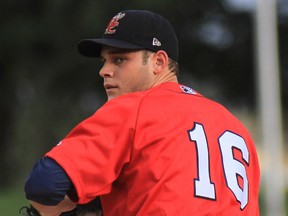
(114, 23)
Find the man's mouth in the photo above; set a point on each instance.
(109, 87)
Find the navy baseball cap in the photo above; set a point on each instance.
(135, 30)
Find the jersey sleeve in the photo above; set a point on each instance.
(94, 152)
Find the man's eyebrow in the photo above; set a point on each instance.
(118, 51)
(121, 51)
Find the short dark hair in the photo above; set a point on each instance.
(145, 56)
(173, 67)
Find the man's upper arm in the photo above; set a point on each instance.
(47, 183)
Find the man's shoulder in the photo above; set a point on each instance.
(164, 93)
(137, 97)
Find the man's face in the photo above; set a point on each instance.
(125, 71)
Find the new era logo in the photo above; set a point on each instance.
(156, 42)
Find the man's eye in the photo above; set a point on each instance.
(118, 60)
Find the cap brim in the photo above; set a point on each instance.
(92, 47)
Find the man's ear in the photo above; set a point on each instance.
(161, 60)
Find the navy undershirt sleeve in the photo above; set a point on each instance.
(47, 183)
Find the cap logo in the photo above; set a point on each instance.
(156, 42)
(114, 23)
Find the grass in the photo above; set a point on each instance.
(11, 200)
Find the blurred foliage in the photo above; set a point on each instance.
(46, 87)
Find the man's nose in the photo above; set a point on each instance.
(106, 71)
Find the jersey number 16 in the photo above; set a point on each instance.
(232, 168)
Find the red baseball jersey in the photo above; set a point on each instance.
(164, 151)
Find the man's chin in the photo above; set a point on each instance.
(109, 97)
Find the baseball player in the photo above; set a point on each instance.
(156, 147)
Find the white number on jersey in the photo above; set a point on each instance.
(233, 168)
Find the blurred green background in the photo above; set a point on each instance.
(46, 87)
